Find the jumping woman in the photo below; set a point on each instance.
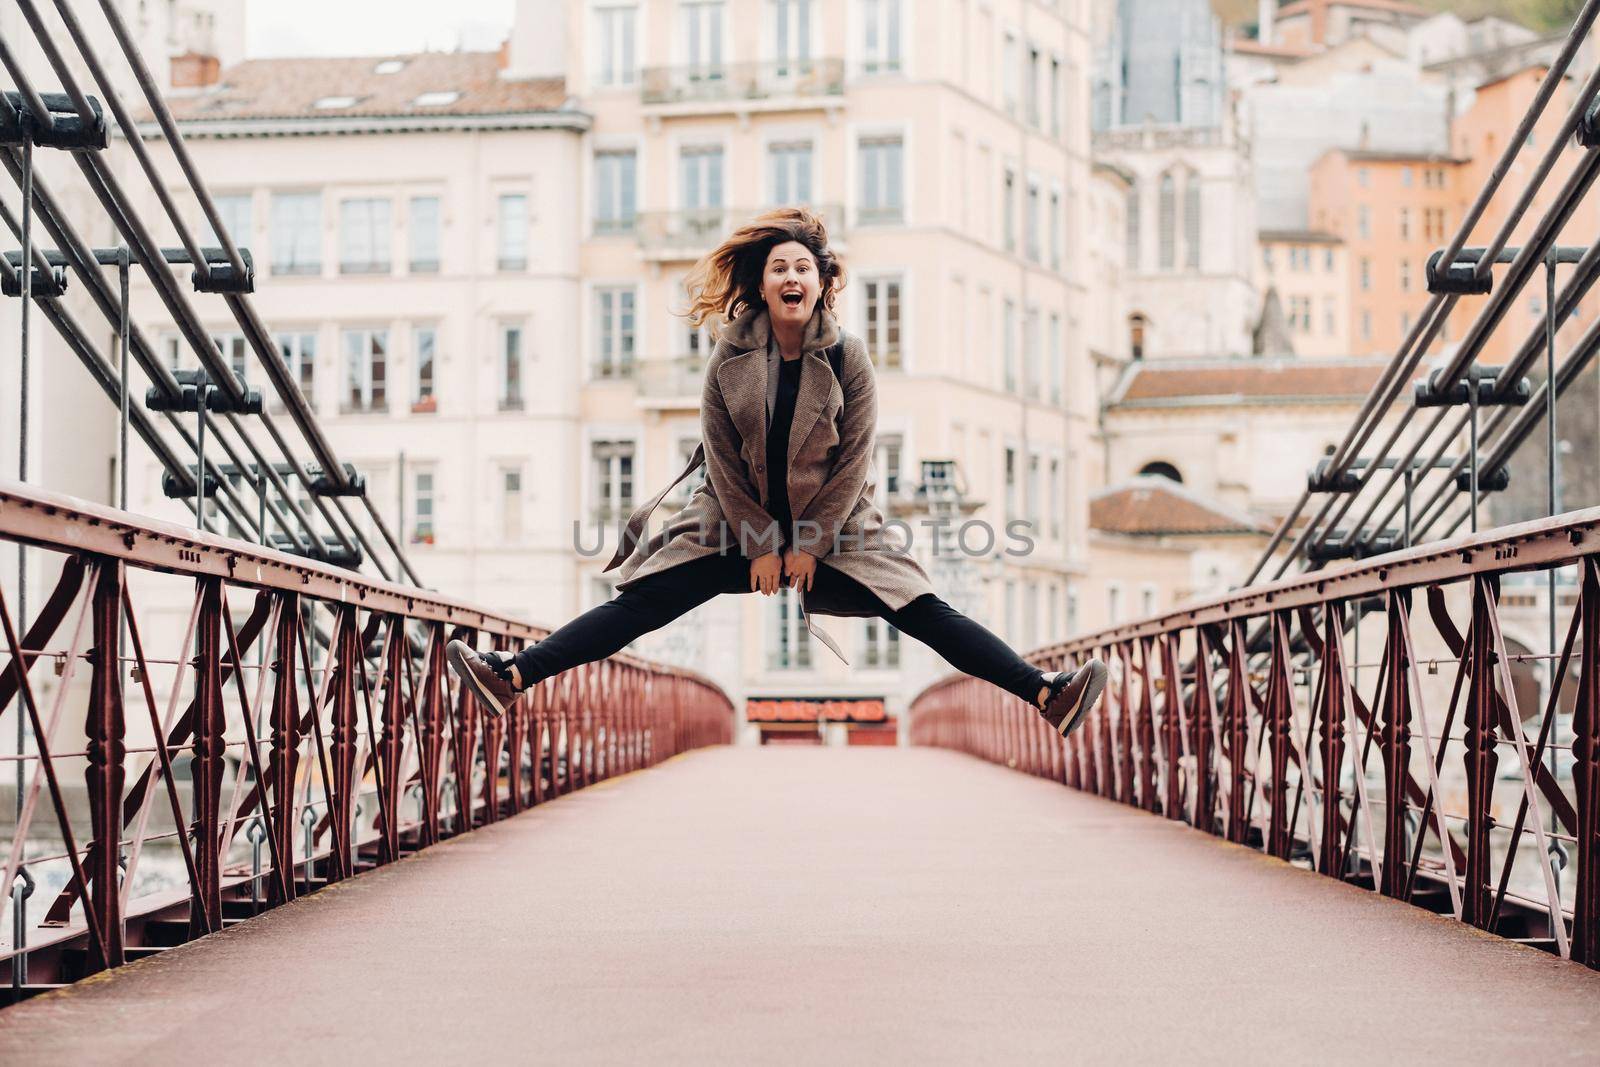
(788, 415)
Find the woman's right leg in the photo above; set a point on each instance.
(650, 604)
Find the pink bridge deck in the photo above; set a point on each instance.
(806, 905)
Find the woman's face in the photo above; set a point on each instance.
(791, 283)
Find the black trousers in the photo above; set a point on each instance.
(657, 599)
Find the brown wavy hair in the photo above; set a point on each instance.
(727, 282)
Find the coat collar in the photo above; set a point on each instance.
(743, 378)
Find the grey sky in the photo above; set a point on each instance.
(372, 27)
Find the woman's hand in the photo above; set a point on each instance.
(766, 572)
(800, 567)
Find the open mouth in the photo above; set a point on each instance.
(793, 299)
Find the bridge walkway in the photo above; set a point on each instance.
(807, 905)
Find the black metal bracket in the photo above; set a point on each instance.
(173, 489)
(1320, 480)
(1588, 131)
(1493, 481)
(67, 129)
(322, 485)
(188, 398)
(1337, 545)
(326, 550)
(1432, 393)
(1461, 276)
(47, 285)
(220, 276)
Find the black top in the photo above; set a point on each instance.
(778, 446)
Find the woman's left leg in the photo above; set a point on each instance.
(967, 645)
(964, 643)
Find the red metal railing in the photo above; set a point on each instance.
(324, 733)
(1437, 757)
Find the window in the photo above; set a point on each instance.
(366, 374)
(1055, 229)
(614, 43)
(1072, 611)
(1147, 600)
(231, 347)
(1009, 193)
(1055, 500)
(423, 232)
(1011, 610)
(1266, 257)
(297, 233)
(700, 178)
(789, 164)
(1030, 615)
(1405, 275)
(1113, 604)
(881, 46)
(1405, 224)
(1033, 220)
(613, 479)
(1363, 222)
(882, 326)
(1363, 177)
(614, 332)
(1300, 313)
(1366, 325)
(364, 237)
(1366, 274)
(1191, 222)
(1132, 235)
(1136, 328)
(422, 507)
(791, 37)
(1011, 484)
(1008, 344)
(234, 210)
(1033, 498)
(880, 179)
(1160, 468)
(436, 98)
(788, 640)
(425, 342)
(1329, 318)
(1053, 366)
(702, 39)
(1030, 89)
(299, 352)
(511, 504)
(511, 232)
(1166, 223)
(1327, 260)
(1055, 97)
(686, 488)
(1405, 177)
(880, 644)
(888, 460)
(614, 191)
(1030, 351)
(1010, 68)
(510, 368)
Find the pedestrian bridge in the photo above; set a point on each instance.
(804, 904)
(1311, 818)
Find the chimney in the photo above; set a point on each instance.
(1265, 29)
(192, 70)
(504, 56)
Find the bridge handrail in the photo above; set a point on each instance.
(352, 701)
(1249, 716)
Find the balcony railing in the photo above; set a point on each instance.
(680, 377)
(692, 232)
(735, 83)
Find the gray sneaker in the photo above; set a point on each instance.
(482, 677)
(1073, 696)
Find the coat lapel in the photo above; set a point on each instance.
(743, 380)
(816, 385)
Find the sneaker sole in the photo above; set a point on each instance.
(455, 652)
(1090, 697)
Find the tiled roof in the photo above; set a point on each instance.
(1152, 506)
(1248, 380)
(1305, 237)
(1399, 7)
(1378, 155)
(291, 88)
(1246, 46)
(813, 710)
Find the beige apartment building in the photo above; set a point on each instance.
(947, 148)
(1307, 269)
(413, 226)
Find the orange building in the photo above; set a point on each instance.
(1391, 209)
(1394, 209)
(1478, 136)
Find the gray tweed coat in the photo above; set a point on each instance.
(831, 474)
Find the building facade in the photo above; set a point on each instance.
(947, 150)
